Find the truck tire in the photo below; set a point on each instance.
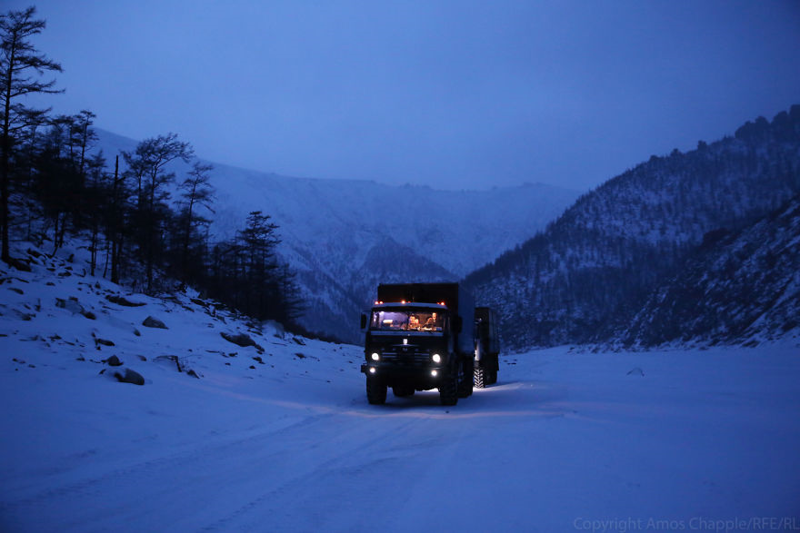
(491, 371)
(479, 377)
(465, 380)
(448, 390)
(403, 392)
(376, 391)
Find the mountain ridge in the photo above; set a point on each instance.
(591, 270)
(736, 287)
(334, 232)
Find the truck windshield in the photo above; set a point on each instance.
(407, 320)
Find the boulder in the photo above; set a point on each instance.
(70, 305)
(152, 322)
(113, 361)
(129, 376)
(18, 264)
(119, 300)
(239, 339)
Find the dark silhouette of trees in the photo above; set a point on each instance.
(148, 164)
(62, 188)
(259, 240)
(115, 212)
(245, 273)
(94, 196)
(58, 181)
(131, 216)
(196, 193)
(21, 66)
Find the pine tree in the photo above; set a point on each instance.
(148, 164)
(95, 195)
(262, 293)
(21, 67)
(196, 192)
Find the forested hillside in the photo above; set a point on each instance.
(592, 269)
(740, 286)
(142, 223)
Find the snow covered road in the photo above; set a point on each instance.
(564, 442)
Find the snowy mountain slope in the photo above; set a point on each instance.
(565, 441)
(335, 231)
(743, 288)
(593, 268)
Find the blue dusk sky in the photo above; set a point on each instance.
(452, 94)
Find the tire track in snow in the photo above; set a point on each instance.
(309, 484)
(142, 472)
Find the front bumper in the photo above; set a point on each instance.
(419, 377)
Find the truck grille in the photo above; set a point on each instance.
(408, 355)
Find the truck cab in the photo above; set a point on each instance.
(414, 341)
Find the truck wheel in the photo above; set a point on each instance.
(376, 391)
(465, 380)
(479, 376)
(493, 377)
(403, 392)
(448, 390)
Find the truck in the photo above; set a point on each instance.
(419, 336)
(487, 347)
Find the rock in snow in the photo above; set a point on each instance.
(152, 322)
(120, 300)
(113, 361)
(129, 376)
(70, 305)
(240, 339)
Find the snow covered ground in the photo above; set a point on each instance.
(279, 437)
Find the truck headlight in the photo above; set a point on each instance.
(436, 358)
(375, 356)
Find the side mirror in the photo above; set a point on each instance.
(363, 321)
(458, 324)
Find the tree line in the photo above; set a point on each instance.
(143, 224)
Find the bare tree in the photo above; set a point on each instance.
(148, 164)
(86, 136)
(21, 68)
(196, 192)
